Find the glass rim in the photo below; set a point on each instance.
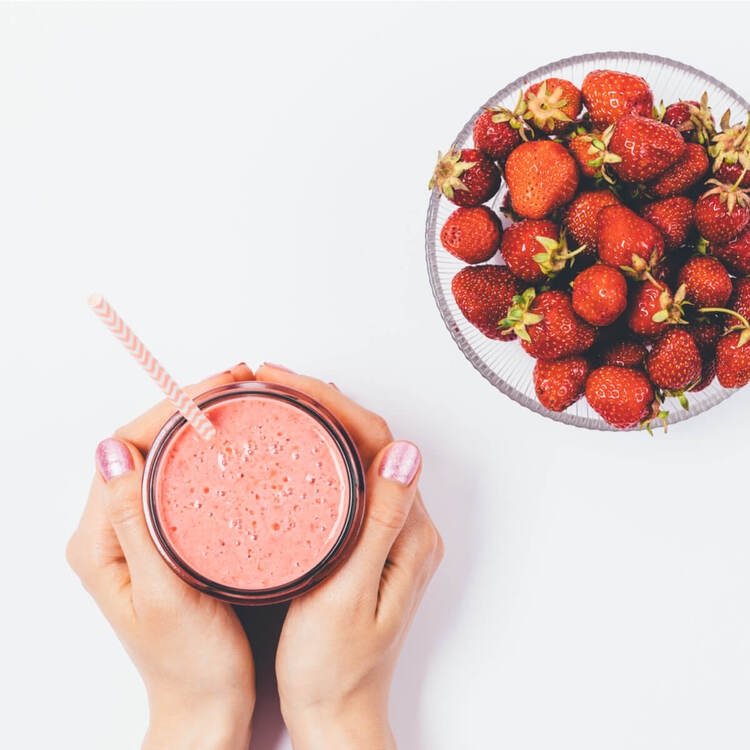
(354, 514)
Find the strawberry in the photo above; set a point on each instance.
(623, 353)
(707, 283)
(472, 234)
(708, 373)
(735, 254)
(541, 177)
(552, 105)
(582, 214)
(622, 396)
(610, 95)
(739, 302)
(625, 240)
(722, 212)
(675, 362)
(484, 294)
(561, 382)
(600, 295)
(733, 173)
(646, 147)
(497, 132)
(466, 177)
(733, 359)
(653, 307)
(693, 119)
(706, 331)
(535, 249)
(548, 326)
(590, 152)
(668, 269)
(730, 151)
(687, 171)
(673, 217)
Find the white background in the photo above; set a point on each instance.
(249, 182)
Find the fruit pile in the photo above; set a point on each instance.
(625, 266)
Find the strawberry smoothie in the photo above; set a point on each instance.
(259, 505)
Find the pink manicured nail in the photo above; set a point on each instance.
(113, 459)
(400, 462)
(280, 367)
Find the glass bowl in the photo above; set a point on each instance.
(505, 364)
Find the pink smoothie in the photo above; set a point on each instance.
(260, 504)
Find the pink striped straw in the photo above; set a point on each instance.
(185, 405)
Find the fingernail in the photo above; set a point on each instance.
(335, 387)
(113, 459)
(400, 462)
(280, 367)
(241, 364)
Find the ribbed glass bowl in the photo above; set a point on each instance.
(505, 364)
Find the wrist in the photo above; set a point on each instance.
(191, 727)
(342, 727)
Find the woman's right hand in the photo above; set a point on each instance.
(340, 642)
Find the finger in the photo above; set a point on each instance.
(142, 431)
(241, 372)
(412, 561)
(95, 555)
(391, 490)
(368, 430)
(118, 485)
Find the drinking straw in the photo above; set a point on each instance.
(185, 405)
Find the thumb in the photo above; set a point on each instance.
(120, 470)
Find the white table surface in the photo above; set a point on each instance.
(249, 182)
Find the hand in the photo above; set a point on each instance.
(190, 648)
(340, 642)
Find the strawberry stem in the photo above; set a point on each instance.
(741, 318)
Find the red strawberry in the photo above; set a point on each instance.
(582, 214)
(535, 249)
(722, 212)
(692, 119)
(552, 105)
(708, 373)
(626, 240)
(668, 269)
(541, 177)
(735, 254)
(591, 154)
(733, 359)
(706, 331)
(675, 362)
(733, 173)
(548, 326)
(609, 95)
(484, 294)
(673, 217)
(624, 353)
(653, 308)
(647, 148)
(472, 234)
(497, 132)
(687, 171)
(561, 382)
(622, 396)
(707, 283)
(730, 150)
(739, 302)
(600, 295)
(467, 177)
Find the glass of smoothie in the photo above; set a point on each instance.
(267, 508)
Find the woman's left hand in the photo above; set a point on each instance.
(190, 648)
